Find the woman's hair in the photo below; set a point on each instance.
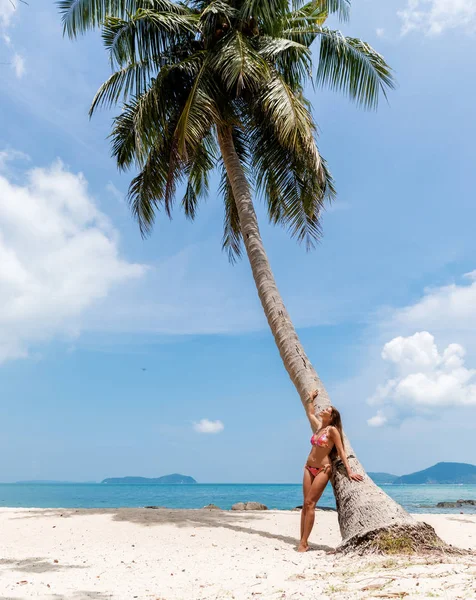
(336, 421)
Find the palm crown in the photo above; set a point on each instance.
(184, 70)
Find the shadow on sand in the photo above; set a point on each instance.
(197, 518)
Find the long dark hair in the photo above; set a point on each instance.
(336, 421)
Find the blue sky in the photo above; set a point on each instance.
(386, 305)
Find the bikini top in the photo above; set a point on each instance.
(322, 440)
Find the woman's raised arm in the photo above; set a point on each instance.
(311, 415)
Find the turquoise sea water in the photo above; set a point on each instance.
(415, 498)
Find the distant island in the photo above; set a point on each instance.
(443, 473)
(380, 478)
(174, 478)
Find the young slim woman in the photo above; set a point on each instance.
(326, 444)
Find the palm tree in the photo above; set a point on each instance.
(220, 83)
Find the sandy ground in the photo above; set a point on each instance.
(209, 555)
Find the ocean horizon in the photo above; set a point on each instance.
(416, 498)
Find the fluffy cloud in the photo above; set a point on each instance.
(206, 426)
(451, 308)
(10, 155)
(17, 61)
(7, 9)
(378, 420)
(423, 379)
(58, 254)
(434, 16)
(18, 65)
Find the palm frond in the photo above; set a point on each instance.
(156, 184)
(132, 79)
(151, 114)
(293, 179)
(197, 171)
(272, 48)
(285, 111)
(238, 64)
(232, 242)
(303, 24)
(295, 193)
(265, 13)
(145, 34)
(353, 67)
(199, 112)
(317, 8)
(216, 16)
(79, 16)
(146, 191)
(124, 137)
(135, 130)
(290, 58)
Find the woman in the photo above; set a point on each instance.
(326, 445)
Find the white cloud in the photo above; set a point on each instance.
(451, 308)
(423, 379)
(471, 276)
(206, 426)
(58, 254)
(10, 155)
(7, 9)
(380, 32)
(378, 420)
(18, 65)
(435, 16)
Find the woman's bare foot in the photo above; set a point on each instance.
(303, 548)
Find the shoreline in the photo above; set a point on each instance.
(448, 512)
(209, 554)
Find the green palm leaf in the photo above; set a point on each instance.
(238, 64)
(197, 171)
(186, 68)
(199, 113)
(232, 242)
(133, 78)
(79, 16)
(145, 34)
(285, 112)
(353, 67)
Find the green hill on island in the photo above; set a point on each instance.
(174, 478)
(443, 472)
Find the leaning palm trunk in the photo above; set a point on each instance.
(366, 513)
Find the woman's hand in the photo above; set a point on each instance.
(313, 394)
(355, 476)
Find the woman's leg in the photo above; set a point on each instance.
(306, 487)
(309, 507)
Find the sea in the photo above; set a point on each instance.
(415, 498)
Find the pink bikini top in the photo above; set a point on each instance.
(322, 440)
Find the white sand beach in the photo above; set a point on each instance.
(207, 554)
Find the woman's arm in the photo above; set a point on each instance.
(311, 415)
(336, 438)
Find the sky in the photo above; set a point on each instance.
(122, 356)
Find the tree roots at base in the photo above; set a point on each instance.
(418, 538)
